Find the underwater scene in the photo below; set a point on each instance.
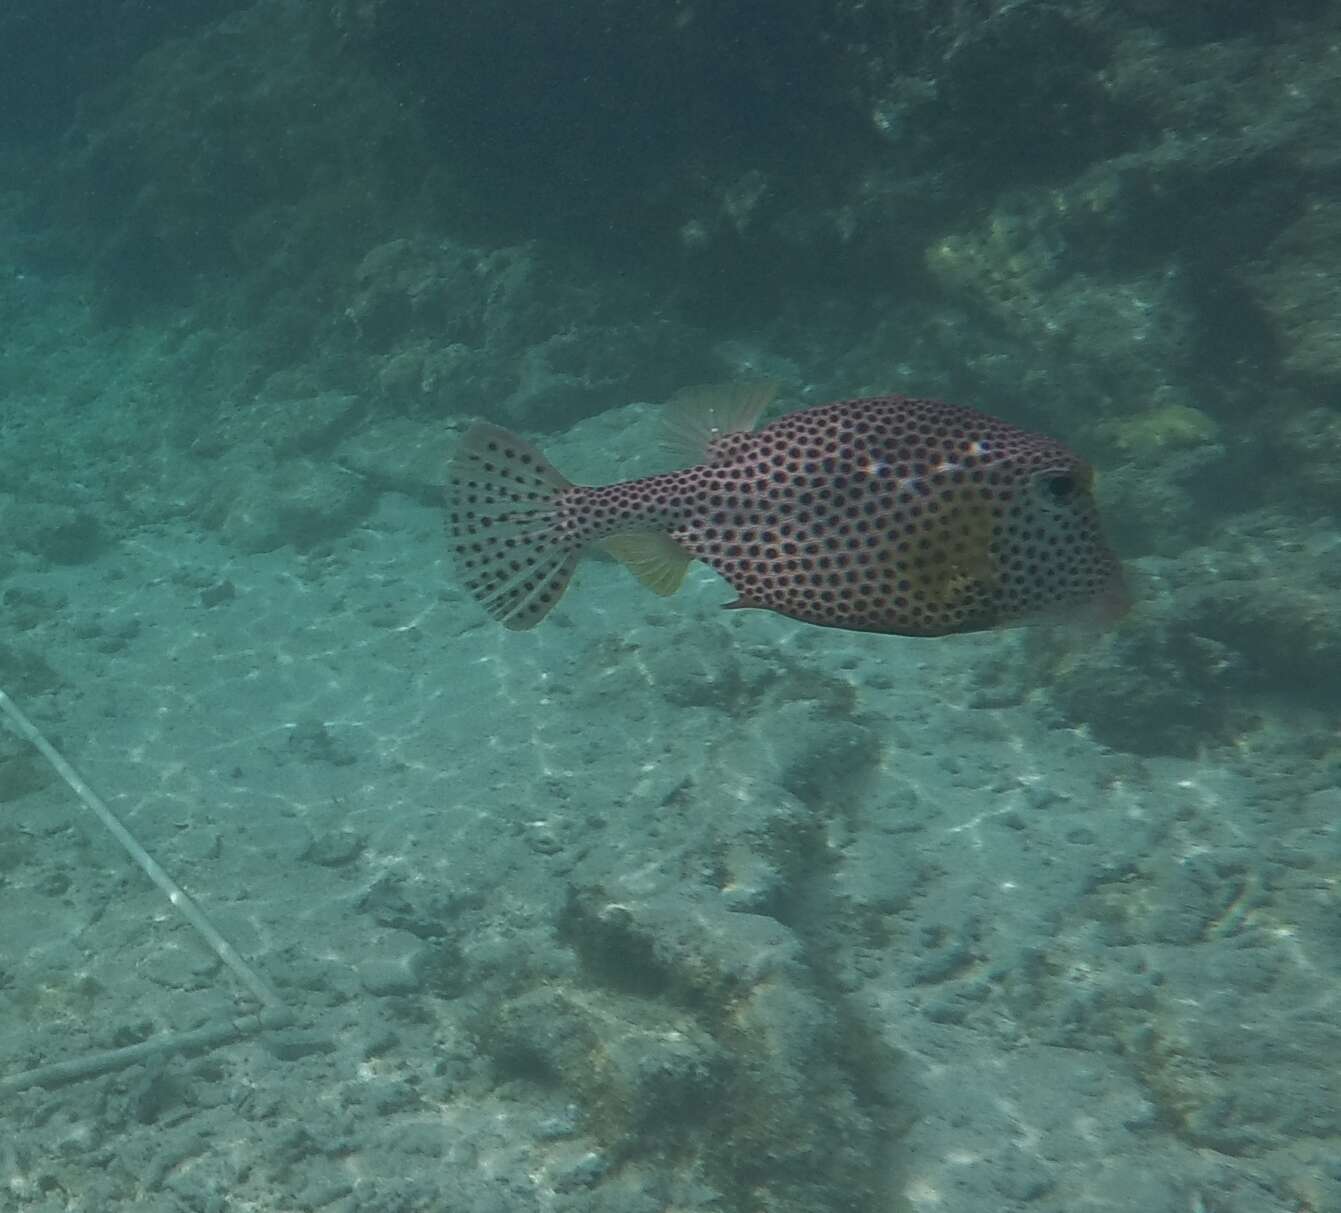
(393, 396)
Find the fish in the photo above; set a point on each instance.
(891, 514)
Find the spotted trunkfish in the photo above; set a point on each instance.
(882, 514)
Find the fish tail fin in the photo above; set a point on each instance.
(504, 526)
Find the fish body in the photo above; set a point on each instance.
(881, 514)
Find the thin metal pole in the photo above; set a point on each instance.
(180, 898)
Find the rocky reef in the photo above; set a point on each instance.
(260, 261)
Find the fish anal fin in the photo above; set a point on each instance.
(696, 417)
(653, 557)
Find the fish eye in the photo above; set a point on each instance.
(1057, 487)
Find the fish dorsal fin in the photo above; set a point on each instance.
(654, 558)
(696, 417)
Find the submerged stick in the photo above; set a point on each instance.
(279, 1014)
(93, 1064)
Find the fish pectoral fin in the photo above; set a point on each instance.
(696, 417)
(969, 567)
(950, 587)
(653, 557)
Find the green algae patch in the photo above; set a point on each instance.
(1168, 427)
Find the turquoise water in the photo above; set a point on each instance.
(659, 907)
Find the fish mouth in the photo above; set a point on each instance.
(1098, 611)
